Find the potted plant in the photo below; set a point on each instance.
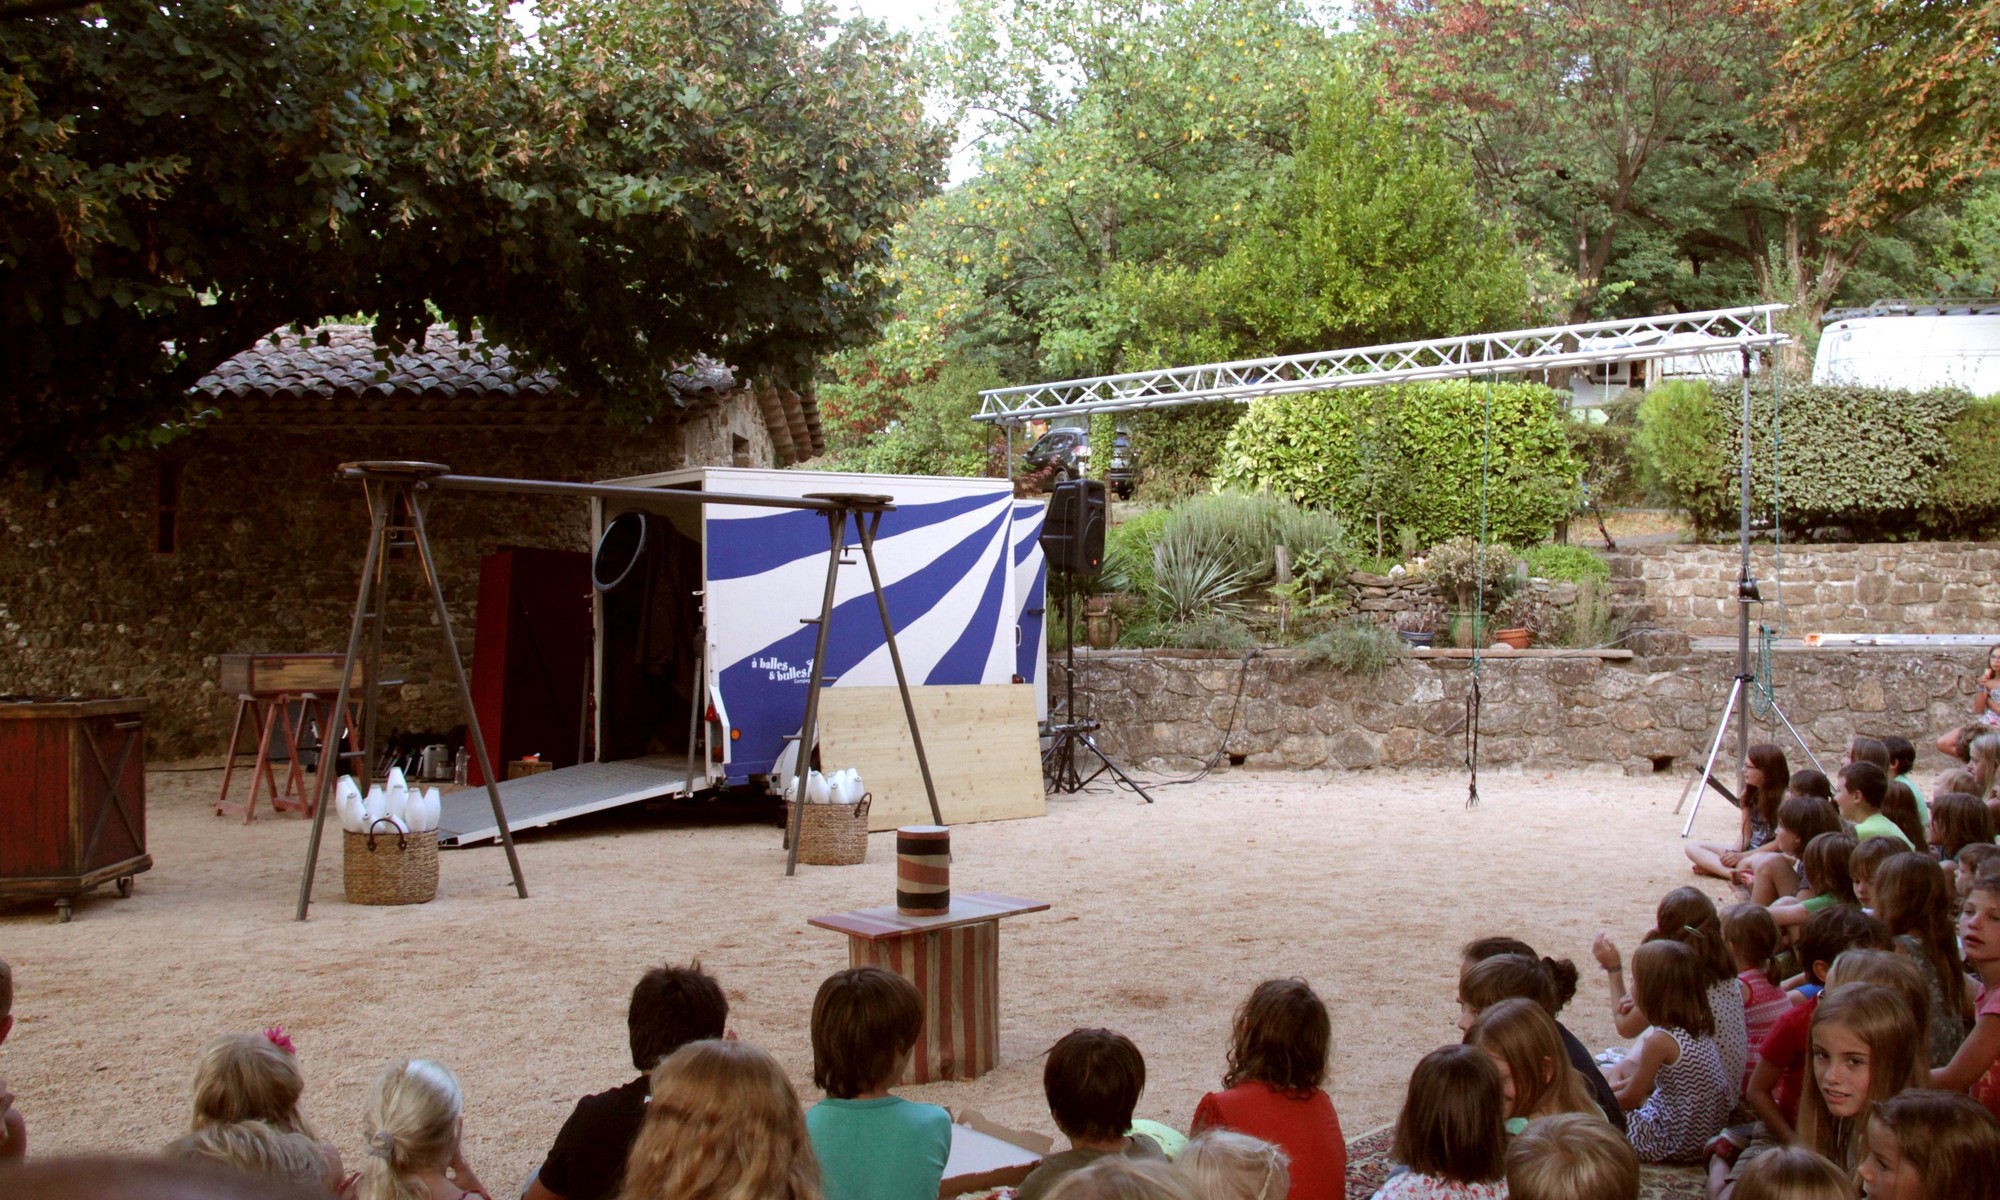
(1418, 626)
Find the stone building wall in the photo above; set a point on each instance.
(269, 558)
(1916, 587)
(1171, 708)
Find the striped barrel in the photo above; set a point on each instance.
(957, 972)
(923, 870)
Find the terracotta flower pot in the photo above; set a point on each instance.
(1517, 638)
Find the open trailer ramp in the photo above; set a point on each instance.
(536, 800)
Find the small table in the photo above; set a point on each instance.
(954, 960)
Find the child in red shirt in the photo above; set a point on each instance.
(1272, 1089)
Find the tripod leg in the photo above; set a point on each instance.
(330, 762)
(429, 564)
(1090, 743)
(1715, 748)
(867, 527)
(1795, 735)
(837, 528)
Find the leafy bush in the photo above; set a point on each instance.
(1414, 455)
(1605, 448)
(1965, 495)
(1461, 569)
(1177, 447)
(920, 427)
(1554, 560)
(1247, 529)
(1864, 458)
(1128, 551)
(1356, 646)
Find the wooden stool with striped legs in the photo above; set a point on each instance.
(954, 959)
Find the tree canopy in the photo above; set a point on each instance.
(640, 182)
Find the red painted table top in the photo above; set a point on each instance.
(967, 908)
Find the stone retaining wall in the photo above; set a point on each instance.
(1171, 708)
(1918, 587)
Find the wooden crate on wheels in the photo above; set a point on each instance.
(72, 797)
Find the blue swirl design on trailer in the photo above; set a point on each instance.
(1030, 595)
(764, 691)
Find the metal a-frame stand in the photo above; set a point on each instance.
(397, 493)
(867, 512)
(1738, 704)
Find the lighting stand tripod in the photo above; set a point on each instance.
(1059, 761)
(1738, 704)
(397, 493)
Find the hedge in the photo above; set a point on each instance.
(1876, 462)
(1412, 454)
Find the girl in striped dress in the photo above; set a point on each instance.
(1674, 1084)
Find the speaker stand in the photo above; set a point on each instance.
(1060, 772)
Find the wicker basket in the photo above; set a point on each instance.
(384, 866)
(832, 835)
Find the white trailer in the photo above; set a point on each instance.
(1901, 344)
(702, 652)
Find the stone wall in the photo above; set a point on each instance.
(1918, 587)
(269, 558)
(1171, 708)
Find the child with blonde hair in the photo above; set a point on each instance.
(1226, 1165)
(1535, 1076)
(1970, 861)
(1866, 1048)
(1794, 1173)
(1119, 1178)
(253, 1077)
(410, 1131)
(1931, 1145)
(1570, 1156)
(871, 1143)
(256, 1148)
(723, 1122)
(1271, 1091)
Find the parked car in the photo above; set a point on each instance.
(1060, 451)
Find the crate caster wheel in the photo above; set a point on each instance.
(125, 887)
(64, 911)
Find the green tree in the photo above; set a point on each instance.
(642, 182)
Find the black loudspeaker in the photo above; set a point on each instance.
(1073, 535)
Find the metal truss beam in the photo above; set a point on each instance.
(1727, 331)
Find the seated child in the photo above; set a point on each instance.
(1899, 804)
(1958, 820)
(671, 1006)
(1765, 777)
(1902, 761)
(871, 1143)
(1801, 818)
(1794, 1173)
(1864, 787)
(1549, 982)
(1955, 779)
(1452, 1130)
(1226, 1165)
(1571, 1157)
(1121, 1178)
(13, 1128)
(1975, 1068)
(1825, 868)
(1673, 1085)
(411, 1131)
(1535, 1074)
(253, 1077)
(1930, 1145)
(1686, 915)
(1277, 1060)
(1916, 903)
(723, 1121)
(1092, 1079)
(1866, 1048)
(1752, 938)
(1971, 860)
(255, 1148)
(1861, 867)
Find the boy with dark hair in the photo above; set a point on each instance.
(671, 1007)
(872, 1144)
(1863, 788)
(1902, 761)
(1093, 1078)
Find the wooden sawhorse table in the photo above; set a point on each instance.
(954, 960)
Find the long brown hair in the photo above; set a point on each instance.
(1688, 916)
(1454, 1119)
(1281, 1038)
(723, 1124)
(1912, 898)
(1896, 1062)
(1769, 759)
(1828, 866)
(1523, 1035)
(1884, 968)
(1961, 819)
(1899, 804)
(1670, 985)
(1950, 1138)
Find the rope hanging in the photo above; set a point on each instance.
(1473, 696)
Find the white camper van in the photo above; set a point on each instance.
(1906, 344)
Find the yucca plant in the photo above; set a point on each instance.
(1194, 576)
